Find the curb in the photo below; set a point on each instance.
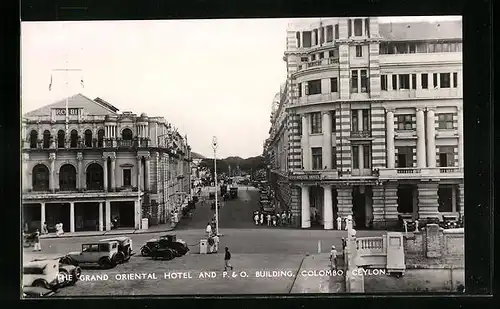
(137, 232)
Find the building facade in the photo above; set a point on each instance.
(89, 164)
(370, 123)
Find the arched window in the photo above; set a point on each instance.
(127, 134)
(88, 138)
(67, 177)
(74, 139)
(33, 139)
(40, 178)
(100, 138)
(61, 136)
(95, 177)
(46, 139)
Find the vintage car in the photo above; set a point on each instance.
(69, 271)
(102, 253)
(37, 292)
(124, 248)
(165, 243)
(48, 274)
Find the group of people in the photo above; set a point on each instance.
(272, 219)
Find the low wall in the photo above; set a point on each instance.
(434, 246)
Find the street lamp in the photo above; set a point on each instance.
(214, 146)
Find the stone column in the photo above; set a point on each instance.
(139, 163)
(431, 138)
(360, 116)
(108, 216)
(113, 171)
(389, 126)
(42, 215)
(105, 172)
(313, 38)
(391, 203)
(461, 201)
(327, 140)
(137, 212)
(79, 180)
(378, 207)
(101, 220)
(327, 208)
(360, 156)
(460, 129)
(428, 200)
(52, 183)
(72, 217)
(147, 173)
(420, 138)
(344, 200)
(306, 158)
(306, 208)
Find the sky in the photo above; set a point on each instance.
(206, 77)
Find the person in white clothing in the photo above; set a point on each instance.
(256, 219)
(261, 219)
(268, 217)
(339, 223)
(208, 230)
(333, 258)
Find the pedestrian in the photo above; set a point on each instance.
(216, 243)
(283, 218)
(37, 247)
(227, 259)
(333, 258)
(45, 230)
(268, 219)
(26, 227)
(289, 217)
(208, 229)
(256, 219)
(274, 219)
(339, 223)
(261, 218)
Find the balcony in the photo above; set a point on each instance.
(420, 59)
(403, 94)
(318, 98)
(357, 135)
(417, 173)
(319, 63)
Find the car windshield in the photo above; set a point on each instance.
(33, 270)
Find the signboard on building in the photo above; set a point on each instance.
(308, 176)
(62, 111)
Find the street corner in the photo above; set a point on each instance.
(316, 276)
(417, 280)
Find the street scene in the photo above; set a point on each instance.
(352, 184)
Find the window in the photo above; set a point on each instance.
(104, 247)
(445, 198)
(306, 38)
(404, 81)
(297, 36)
(446, 156)
(446, 47)
(383, 82)
(359, 51)
(366, 156)
(424, 79)
(334, 157)
(455, 80)
(349, 28)
(459, 47)
(358, 24)
(435, 80)
(127, 177)
(431, 47)
(33, 139)
(413, 48)
(300, 89)
(354, 120)
(337, 31)
(61, 136)
(88, 138)
(41, 175)
(445, 121)
(421, 47)
(334, 121)
(304, 59)
(405, 157)
(329, 33)
(67, 177)
(316, 41)
(334, 84)
(354, 81)
(321, 55)
(46, 139)
(394, 82)
(314, 87)
(317, 163)
(401, 48)
(355, 157)
(414, 81)
(364, 81)
(73, 139)
(95, 177)
(384, 48)
(313, 57)
(331, 54)
(438, 48)
(316, 123)
(100, 138)
(404, 122)
(405, 199)
(366, 118)
(444, 79)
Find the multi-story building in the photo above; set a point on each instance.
(85, 164)
(370, 123)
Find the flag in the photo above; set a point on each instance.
(50, 85)
(81, 83)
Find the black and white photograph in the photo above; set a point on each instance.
(278, 156)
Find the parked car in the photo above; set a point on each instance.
(43, 274)
(124, 248)
(178, 247)
(69, 271)
(101, 253)
(37, 292)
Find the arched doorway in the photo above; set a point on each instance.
(316, 201)
(46, 139)
(74, 139)
(33, 139)
(362, 207)
(88, 138)
(127, 134)
(61, 139)
(100, 138)
(67, 177)
(95, 177)
(41, 178)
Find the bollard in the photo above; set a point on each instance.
(319, 246)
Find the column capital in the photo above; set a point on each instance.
(390, 110)
(147, 157)
(52, 156)
(420, 109)
(112, 156)
(326, 187)
(79, 156)
(139, 157)
(325, 113)
(431, 109)
(105, 157)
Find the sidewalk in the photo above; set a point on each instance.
(153, 229)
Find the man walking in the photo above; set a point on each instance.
(333, 258)
(227, 258)
(208, 229)
(37, 247)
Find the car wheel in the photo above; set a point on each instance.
(105, 263)
(76, 275)
(41, 284)
(145, 252)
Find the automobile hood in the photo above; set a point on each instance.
(74, 253)
(69, 268)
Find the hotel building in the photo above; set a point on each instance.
(88, 164)
(369, 123)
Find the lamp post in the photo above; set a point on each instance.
(214, 146)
